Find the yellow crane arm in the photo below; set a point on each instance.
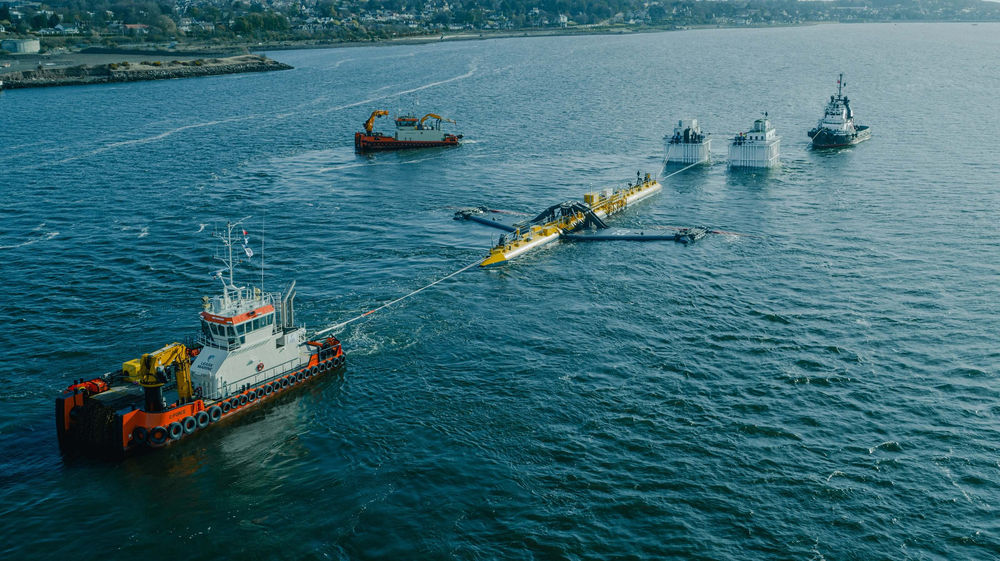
(152, 369)
(438, 117)
(370, 123)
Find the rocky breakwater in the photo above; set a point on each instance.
(137, 71)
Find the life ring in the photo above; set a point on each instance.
(139, 435)
(214, 413)
(243, 400)
(260, 367)
(158, 435)
(226, 407)
(203, 419)
(175, 430)
(190, 424)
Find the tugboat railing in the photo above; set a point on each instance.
(257, 378)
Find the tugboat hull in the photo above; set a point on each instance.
(828, 139)
(365, 143)
(115, 424)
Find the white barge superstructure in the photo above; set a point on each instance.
(759, 148)
(688, 144)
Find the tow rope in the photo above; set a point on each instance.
(444, 278)
(698, 163)
(400, 299)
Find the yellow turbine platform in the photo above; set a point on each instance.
(567, 217)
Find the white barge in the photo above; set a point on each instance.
(759, 148)
(688, 144)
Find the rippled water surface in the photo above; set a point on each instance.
(822, 387)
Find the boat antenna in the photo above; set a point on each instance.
(262, 218)
(840, 84)
(228, 261)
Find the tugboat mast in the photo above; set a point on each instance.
(228, 260)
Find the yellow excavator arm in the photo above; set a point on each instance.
(370, 123)
(153, 369)
(438, 117)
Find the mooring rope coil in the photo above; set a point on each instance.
(400, 299)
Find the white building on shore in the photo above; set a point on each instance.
(21, 46)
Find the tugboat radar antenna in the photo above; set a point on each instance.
(228, 260)
(262, 220)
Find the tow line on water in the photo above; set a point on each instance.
(400, 299)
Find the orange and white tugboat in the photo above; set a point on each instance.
(410, 133)
(248, 352)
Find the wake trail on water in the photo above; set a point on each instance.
(284, 114)
(383, 163)
(46, 237)
(469, 74)
(154, 138)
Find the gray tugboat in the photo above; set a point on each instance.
(837, 127)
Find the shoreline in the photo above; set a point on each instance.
(116, 68)
(82, 67)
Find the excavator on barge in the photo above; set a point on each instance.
(410, 133)
(564, 220)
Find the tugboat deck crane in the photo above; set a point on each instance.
(370, 123)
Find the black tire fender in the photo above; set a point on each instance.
(175, 430)
(158, 436)
(189, 424)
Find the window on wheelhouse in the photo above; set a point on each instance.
(214, 334)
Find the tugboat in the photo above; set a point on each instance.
(759, 148)
(410, 133)
(837, 127)
(688, 145)
(249, 351)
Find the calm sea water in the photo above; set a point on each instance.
(823, 387)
